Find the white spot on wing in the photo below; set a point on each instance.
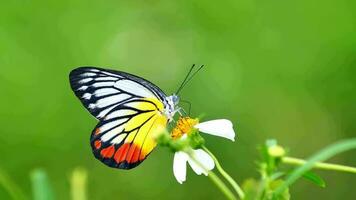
(105, 91)
(110, 125)
(84, 87)
(111, 74)
(103, 84)
(104, 112)
(91, 106)
(86, 96)
(133, 87)
(101, 103)
(133, 104)
(118, 139)
(86, 80)
(108, 78)
(120, 113)
(112, 133)
(89, 74)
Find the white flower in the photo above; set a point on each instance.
(219, 127)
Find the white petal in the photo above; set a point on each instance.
(180, 166)
(204, 159)
(218, 127)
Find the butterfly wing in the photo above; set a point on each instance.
(125, 137)
(101, 90)
(130, 112)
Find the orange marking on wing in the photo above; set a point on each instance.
(120, 154)
(133, 153)
(108, 152)
(142, 155)
(97, 131)
(97, 144)
(136, 154)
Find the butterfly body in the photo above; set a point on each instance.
(130, 110)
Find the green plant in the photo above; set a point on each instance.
(273, 184)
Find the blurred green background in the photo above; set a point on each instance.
(277, 69)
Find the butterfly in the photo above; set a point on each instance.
(131, 111)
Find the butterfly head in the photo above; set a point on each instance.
(172, 106)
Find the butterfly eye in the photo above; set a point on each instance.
(175, 99)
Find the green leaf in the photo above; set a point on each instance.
(277, 175)
(40, 186)
(314, 178)
(322, 155)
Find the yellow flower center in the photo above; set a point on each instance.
(184, 126)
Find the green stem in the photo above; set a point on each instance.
(322, 155)
(319, 165)
(14, 191)
(78, 183)
(214, 178)
(236, 187)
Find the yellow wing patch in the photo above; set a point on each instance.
(139, 130)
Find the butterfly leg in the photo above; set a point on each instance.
(181, 112)
(189, 105)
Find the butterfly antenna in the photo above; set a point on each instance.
(201, 66)
(185, 79)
